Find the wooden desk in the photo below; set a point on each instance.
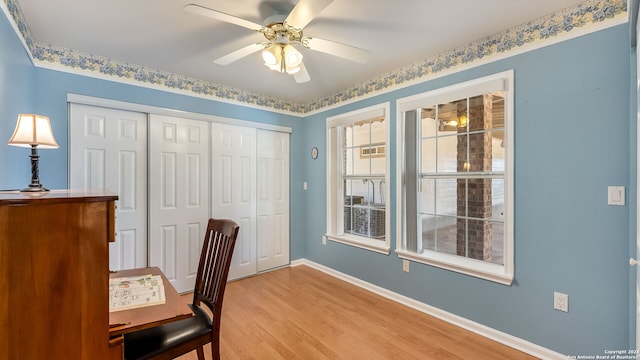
(54, 261)
(174, 308)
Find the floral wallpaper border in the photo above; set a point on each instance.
(581, 15)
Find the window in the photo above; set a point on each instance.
(455, 192)
(357, 178)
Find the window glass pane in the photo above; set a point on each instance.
(368, 220)
(478, 197)
(428, 232)
(348, 220)
(497, 243)
(496, 101)
(428, 123)
(361, 133)
(362, 161)
(370, 191)
(447, 119)
(348, 134)
(497, 150)
(377, 222)
(378, 159)
(447, 154)
(446, 197)
(427, 196)
(348, 189)
(479, 152)
(349, 161)
(440, 233)
(478, 243)
(428, 156)
(356, 191)
(463, 156)
(497, 199)
(378, 133)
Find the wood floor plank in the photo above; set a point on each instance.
(301, 313)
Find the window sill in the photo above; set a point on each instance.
(480, 269)
(379, 246)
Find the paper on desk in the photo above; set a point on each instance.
(135, 292)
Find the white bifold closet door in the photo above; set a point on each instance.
(108, 150)
(178, 196)
(170, 181)
(273, 199)
(233, 190)
(250, 185)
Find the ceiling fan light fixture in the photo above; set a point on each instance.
(292, 56)
(272, 55)
(275, 67)
(282, 58)
(293, 69)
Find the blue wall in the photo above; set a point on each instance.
(17, 84)
(572, 140)
(573, 137)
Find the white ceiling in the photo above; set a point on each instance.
(158, 34)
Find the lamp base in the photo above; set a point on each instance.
(34, 188)
(35, 185)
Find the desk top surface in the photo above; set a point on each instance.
(19, 197)
(174, 308)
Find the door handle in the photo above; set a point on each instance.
(633, 262)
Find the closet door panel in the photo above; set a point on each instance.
(108, 150)
(178, 196)
(273, 199)
(233, 190)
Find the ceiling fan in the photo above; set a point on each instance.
(282, 33)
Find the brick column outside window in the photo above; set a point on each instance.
(474, 195)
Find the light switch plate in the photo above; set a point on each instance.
(616, 195)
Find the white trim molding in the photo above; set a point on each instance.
(124, 105)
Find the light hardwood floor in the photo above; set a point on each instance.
(302, 313)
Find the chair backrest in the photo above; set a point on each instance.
(213, 269)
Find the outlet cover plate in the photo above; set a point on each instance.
(561, 301)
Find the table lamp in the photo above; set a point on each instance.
(32, 131)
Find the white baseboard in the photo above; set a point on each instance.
(493, 334)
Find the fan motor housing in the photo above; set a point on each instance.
(278, 31)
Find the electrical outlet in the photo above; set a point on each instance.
(561, 301)
(324, 240)
(405, 265)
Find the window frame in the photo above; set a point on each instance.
(504, 273)
(335, 199)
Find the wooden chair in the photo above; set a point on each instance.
(180, 337)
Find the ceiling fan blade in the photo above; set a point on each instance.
(239, 54)
(214, 14)
(302, 76)
(305, 11)
(337, 49)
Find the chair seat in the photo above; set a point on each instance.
(147, 343)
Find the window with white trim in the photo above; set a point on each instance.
(455, 178)
(358, 178)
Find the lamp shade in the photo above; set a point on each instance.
(33, 129)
